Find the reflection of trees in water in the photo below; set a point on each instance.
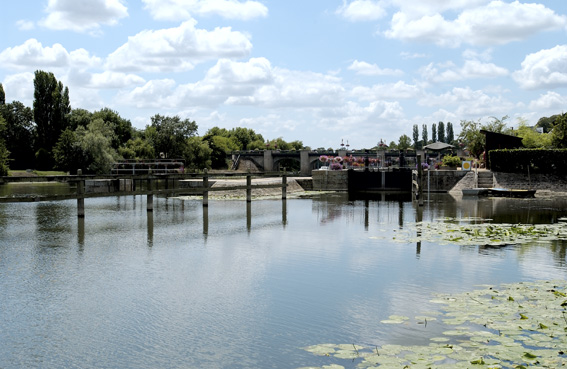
(52, 222)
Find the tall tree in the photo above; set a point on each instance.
(415, 136)
(122, 127)
(441, 132)
(424, 136)
(51, 108)
(471, 137)
(19, 134)
(404, 142)
(2, 95)
(433, 132)
(450, 134)
(168, 135)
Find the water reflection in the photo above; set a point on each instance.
(215, 293)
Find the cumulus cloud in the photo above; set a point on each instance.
(471, 69)
(368, 69)
(175, 10)
(420, 8)
(398, 90)
(361, 10)
(544, 69)
(494, 24)
(32, 54)
(550, 101)
(25, 25)
(19, 87)
(81, 16)
(469, 102)
(177, 49)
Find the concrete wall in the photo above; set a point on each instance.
(330, 180)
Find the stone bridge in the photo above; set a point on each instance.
(269, 160)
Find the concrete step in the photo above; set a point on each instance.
(485, 180)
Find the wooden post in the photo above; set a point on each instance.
(80, 195)
(248, 188)
(150, 199)
(205, 188)
(284, 186)
(419, 181)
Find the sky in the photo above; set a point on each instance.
(322, 72)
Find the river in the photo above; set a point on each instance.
(237, 286)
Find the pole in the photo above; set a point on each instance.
(80, 195)
(248, 188)
(205, 188)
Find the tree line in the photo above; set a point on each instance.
(53, 136)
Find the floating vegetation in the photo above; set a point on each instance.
(451, 230)
(521, 325)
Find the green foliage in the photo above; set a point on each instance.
(197, 154)
(424, 134)
(441, 132)
(415, 137)
(19, 135)
(220, 148)
(434, 132)
(533, 139)
(168, 135)
(451, 161)
(96, 144)
(122, 127)
(43, 160)
(392, 145)
(450, 138)
(51, 108)
(79, 118)
(137, 148)
(559, 132)
(547, 123)
(545, 161)
(4, 153)
(404, 142)
(68, 154)
(471, 137)
(2, 95)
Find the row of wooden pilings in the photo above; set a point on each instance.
(150, 191)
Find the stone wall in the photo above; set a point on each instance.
(443, 180)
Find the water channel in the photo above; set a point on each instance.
(239, 286)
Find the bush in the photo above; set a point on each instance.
(451, 161)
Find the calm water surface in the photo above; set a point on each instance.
(237, 286)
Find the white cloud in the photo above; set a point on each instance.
(494, 24)
(417, 9)
(367, 69)
(32, 54)
(176, 10)
(81, 16)
(25, 25)
(469, 103)
(544, 69)
(550, 101)
(361, 10)
(112, 80)
(471, 69)
(19, 87)
(177, 49)
(398, 90)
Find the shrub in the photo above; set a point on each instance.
(451, 161)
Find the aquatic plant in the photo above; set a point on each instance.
(516, 325)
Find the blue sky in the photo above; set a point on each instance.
(315, 71)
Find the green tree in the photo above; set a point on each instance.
(471, 137)
(450, 138)
(137, 148)
(79, 118)
(559, 132)
(168, 135)
(433, 132)
(441, 132)
(393, 145)
(415, 137)
(547, 123)
(424, 134)
(531, 138)
(404, 142)
(244, 136)
(96, 143)
(197, 154)
(122, 127)
(220, 148)
(68, 154)
(19, 134)
(4, 153)
(51, 108)
(2, 95)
